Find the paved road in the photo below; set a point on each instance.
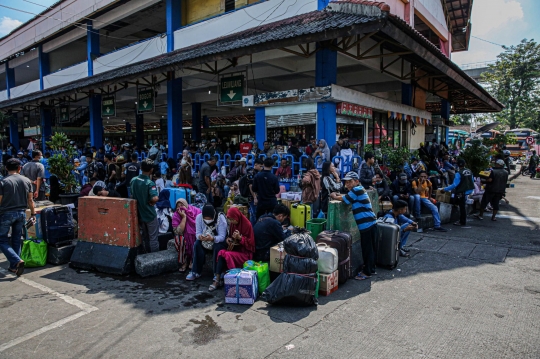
(470, 293)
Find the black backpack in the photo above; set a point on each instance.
(100, 169)
(243, 186)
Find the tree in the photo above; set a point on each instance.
(463, 119)
(515, 81)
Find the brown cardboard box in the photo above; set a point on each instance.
(386, 206)
(445, 197)
(277, 255)
(243, 209)
(328, 283)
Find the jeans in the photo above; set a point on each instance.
(226, 190)
(417, 203)
(434, 211)
(368, 242)
(199, 256)
(14, 220)
(404, 238)
(410, 201)
(252, 213)
(150, 233)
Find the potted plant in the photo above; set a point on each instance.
(61, 166)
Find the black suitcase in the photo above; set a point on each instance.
(388, 243)
(57, 225)
(342, 241)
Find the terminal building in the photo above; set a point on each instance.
(139, 71)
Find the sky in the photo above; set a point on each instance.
(503, 22)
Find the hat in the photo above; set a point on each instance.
(125, 145)
(76, 160)
(120, 158)
(97, 189)
(213, 140)
(500, 163)
(350, 176)
(20, 153)
(243, 159)
(403, 175)
(461, 162)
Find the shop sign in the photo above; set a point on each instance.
(349, 109)
(231, 89)
(108, 106)
(63, 111)
(145, 100)
(32, 131)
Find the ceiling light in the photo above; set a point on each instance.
(124, 120)
(209, 92)
(107, 118)
(135, 102)
(249, 108)
(154, 126)
(27, 65)
(162, 116)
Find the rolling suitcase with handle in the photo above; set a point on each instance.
(388, 243)
(300, 213)
(342, 242)
(57, 225)
(177, 193)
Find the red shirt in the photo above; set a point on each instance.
(284, 172)
(245, 148)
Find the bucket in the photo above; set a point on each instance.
(316, 226)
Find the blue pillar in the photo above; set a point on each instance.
(260, 125)
(44, 67)
(406, 94)
(325, 75)
(205, 122)
(96, 122)
(14, 131)
(46, 126)
(445, 109)
(10, 79)
(196, 123)
(139, 131)
(174, 20)
(321, 4)
(92, 46)
(174, 116)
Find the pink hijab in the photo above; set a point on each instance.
(191, 214)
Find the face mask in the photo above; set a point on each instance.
(379, 182)
(208, 221)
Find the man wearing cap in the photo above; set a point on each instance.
(312, 147)
(463, 186)
(365, 220)
(35, 172)
(127, 151)
(16, 196)
(495, 189)
(214, 149)
(20, 157)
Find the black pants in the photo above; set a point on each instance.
(532, 171)
(368, 242)
(461, 201)
(264, 209)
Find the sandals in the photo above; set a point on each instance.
(361, 276)
(215, 285)
(183, 269)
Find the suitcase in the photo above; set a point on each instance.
(341, 241)
(300, 213)
(388, 243)
(177, 193)
(328, 259)
(57, 225)
(107, 220)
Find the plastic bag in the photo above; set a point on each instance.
(292, 289)
(263, 273)
(301, 244)
(34, 252)
(321, 215)
(299, 265)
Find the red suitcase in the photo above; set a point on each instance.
(111, 221)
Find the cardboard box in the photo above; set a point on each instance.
(328, 283)
(277, 255)
(445, 197)
(484, 174)
(386, 205)
(35, 230)
(243, 209)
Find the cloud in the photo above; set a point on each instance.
(7, 24)
(492, 15)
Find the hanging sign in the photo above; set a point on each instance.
(345, 108)
(63, 113)
(145, 100)
(231, 89)
(108, 106)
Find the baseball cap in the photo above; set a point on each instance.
(500, 163)
(20, 153)
(243, 159)
(213, 140)
(461, 162)
(350, 176)
(76, 160)
(125, 145)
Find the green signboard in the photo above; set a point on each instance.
(231, 88)
(63, 113)
(145, 100)
(108, 106)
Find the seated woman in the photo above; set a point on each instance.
(210, 227)
(241, 246)
(183, 222)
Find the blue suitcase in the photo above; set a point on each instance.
(177, 193)
(57, 225)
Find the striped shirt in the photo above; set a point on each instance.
(361, 208)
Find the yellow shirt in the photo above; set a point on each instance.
(424, 193)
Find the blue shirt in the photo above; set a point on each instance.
(457, 180)
(402, 221)
(361, 208)
(163, 167)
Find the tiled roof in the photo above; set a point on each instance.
(380, 4)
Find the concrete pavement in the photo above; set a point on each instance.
(472, 293)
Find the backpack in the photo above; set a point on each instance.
(243, 186)
(100, 169)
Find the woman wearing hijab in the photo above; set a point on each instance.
(241, 245)
(200, 200)
(323, 152)
(164, 212)
(183, 222)
(210, 227)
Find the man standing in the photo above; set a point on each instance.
(367, 171)
(110, 180)
(365, 220)
(269, 231)
(205, 182)
(268, 150)
(495, 189)
(94, 169)
(533, 163)
(423, 188)
(15, 196)
(463, 186)
(20, 156)
(293, 149)
(145, 192)
(131, 170)
(246, 188)
(35, 172)
(266, 186)
(334, 151)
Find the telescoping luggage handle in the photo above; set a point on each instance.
(60, 209)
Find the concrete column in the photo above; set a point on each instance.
(196, 123)
(325, 75)
(96, 122)
(14, 131)
(44, 67)
(46, 126)
(92, 46)
(175, 136)
(205, 122)
(174, 20)
(10, 79)
(260, 125)
(406, 94)
(139, 131)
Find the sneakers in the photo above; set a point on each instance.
(192, 276)
(440, 229)
(405, 249)
(402, 253)
(18, 270)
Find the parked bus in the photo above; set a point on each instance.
(491, 134)
(521, 147)
(457, 138)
